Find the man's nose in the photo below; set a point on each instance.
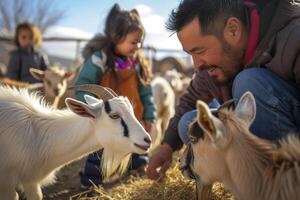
(198, 62)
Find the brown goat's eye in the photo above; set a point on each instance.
(193, 139)
(114, 116)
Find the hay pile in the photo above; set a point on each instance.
(173, 187)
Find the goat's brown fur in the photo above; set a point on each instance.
(252, 168)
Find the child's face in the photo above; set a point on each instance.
(25, 38)
(130, 44)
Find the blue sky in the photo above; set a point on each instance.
(88, 14)
(84, 18)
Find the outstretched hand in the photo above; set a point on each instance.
(160, 162)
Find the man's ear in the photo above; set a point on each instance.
(233, 31)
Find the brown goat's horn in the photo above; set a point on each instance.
(227, 104)
(99, 91)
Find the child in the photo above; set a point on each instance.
(112, 60)
(26, 55)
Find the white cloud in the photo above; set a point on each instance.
(67, 32)
(156, 33)
(62, 48)
(144, 9)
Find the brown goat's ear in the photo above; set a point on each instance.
(209, 123)
(38, 74)
(246, 108)
(68, 75)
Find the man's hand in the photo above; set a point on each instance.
(162, 158)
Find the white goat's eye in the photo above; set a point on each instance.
(114, 116)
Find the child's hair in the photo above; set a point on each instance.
(118, 24)
(37, 36)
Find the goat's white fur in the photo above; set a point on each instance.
(164, 100)
(35, 140)
(178, 82)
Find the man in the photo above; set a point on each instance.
(237, 46)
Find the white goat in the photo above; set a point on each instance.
(178, 82)
(55, 82)
(164, 100)
(252, 168)
(36, 141)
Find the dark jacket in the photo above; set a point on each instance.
(21, 60)
(277, 50)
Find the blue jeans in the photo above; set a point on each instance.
(277, 104)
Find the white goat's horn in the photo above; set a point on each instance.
(99, 91)
(112, 91)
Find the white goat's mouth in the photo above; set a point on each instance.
(143, 147)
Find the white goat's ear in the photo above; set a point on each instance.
(38, 74)
(211, 125)
(246, 108)
(90, 100)
(83, 109)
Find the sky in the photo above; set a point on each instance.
(84, 18)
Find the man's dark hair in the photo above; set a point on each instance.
(212, 14)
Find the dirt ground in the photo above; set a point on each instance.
(68, 183)
(67, 186)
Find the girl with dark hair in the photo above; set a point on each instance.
(112, 60)
(27, 55)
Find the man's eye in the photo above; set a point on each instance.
(114, 116)
(199, 52)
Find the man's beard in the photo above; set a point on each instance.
(228, 78)
(229, 73)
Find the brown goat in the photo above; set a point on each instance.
(252, 168)
(55, 83)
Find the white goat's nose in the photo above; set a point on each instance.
(148, 140)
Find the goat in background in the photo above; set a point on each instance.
(164, 100)
(178, 82)
(55, 83)
(252, 168)
(36, 140)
